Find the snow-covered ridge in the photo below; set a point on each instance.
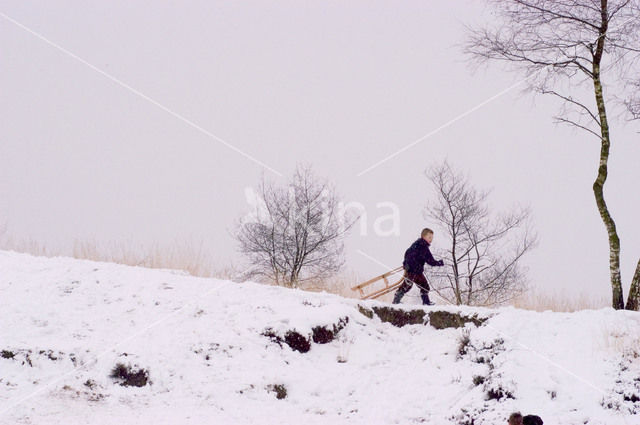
(66, 323)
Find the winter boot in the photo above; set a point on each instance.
(425, 299)
(398, 296)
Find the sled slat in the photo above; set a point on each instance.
(377, 278)
(388, 287)
(384, 291)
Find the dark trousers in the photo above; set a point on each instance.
(409, 279)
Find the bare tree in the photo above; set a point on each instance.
(563, 47)
(296, 231)
(485, 249)
(633, 102)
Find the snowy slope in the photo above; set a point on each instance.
(65, 324)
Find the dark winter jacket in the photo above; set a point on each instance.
(418, 254)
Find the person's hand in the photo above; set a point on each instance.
(440, 263)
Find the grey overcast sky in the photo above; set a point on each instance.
(339, 85)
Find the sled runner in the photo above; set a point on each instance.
(388, 287)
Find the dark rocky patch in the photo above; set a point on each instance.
(129, 376)
(324, 335)
(365, 311)
(51, 355)
(279, 389)
(297, 341)
(445, 319)
(478, 380)
(400, 318)
(293, 339)
(633, 398)
(26, 356)
(273, 336)
(498, 393)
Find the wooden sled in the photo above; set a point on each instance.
(388, 287)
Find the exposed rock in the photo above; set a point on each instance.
(366, 311)
(279, 389)
(297, 342)
(445, 319)
(324, 334)
(129, 376)
(399, 318)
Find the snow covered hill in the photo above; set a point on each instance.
(207, 351)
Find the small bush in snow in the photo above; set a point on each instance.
(487, 352)
(92, 395)
(496, 387)
(625, 396)
(297, 342)
(294, 339)
(324, 334)
(129, 376)
(463, 342)
(478, 380)
(20, 355)
(279, 389)
(51, 355)
(345, 343)
(467, 415)
(498, 393)
(273, 336)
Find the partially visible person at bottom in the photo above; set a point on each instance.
(414, 259)
(532, 420)
(515, 419)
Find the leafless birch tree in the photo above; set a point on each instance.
(567, 48)
(295, 232)
(484, 249)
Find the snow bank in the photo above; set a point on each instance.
(215, 352)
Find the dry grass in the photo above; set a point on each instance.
(187, 256)
(538, 300)
(340, 284)
(28, 246)
(190, 257)
(621, 339)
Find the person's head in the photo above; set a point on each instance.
(427, 235)
(532, 420)
(515, 419)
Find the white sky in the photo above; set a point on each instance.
(339, 85)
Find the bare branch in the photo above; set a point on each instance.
(573, 123)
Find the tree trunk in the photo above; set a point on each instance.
(455, 286)
(633, 300)
(617, 301)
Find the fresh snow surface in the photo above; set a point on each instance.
(65, 322)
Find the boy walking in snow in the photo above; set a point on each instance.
(414, 259)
